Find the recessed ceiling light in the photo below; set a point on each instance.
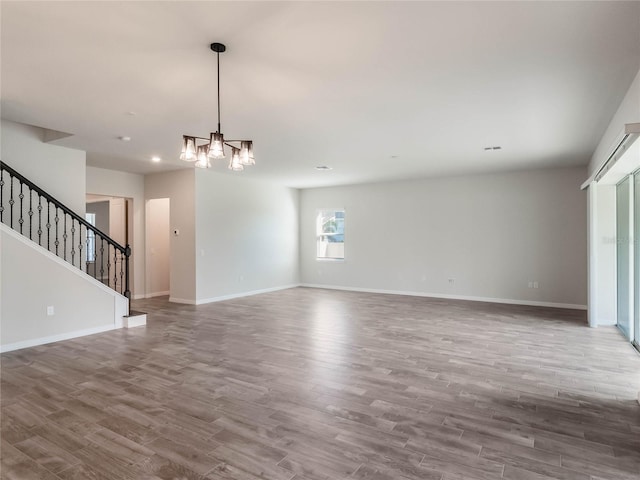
(124, 139)
(156, 159)
(132, 114)
(323, 167)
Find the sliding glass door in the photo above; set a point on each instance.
(623, 232)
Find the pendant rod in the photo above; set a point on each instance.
(218, 58)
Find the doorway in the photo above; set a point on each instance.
(113, 216)
(158, 240)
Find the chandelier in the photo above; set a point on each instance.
(201, 155)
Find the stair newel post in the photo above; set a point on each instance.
(95, 255)
(127, 292)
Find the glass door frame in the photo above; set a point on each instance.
(624, 257)
(635, 215)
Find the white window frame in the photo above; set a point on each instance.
(322, 211)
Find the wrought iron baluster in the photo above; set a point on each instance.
(57, 220)
(11, 201)
(30, 214)
(122, 264)
(95, 256)
(115, 265)
(39, 220)
(48, 225)
(92, 253)
(101, 258)
(108, 266)
(64, 238)
(81, 259)
(21, 197)
(73, 242)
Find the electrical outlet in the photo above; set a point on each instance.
(535, 284)
(452, 281)
(50, 311)
(530, 284)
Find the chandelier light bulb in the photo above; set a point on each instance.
(216, 146)
(188, 153)
(202, 159)
(246, 153)
(235, 164)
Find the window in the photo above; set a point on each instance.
(91, 238)
(330, 234)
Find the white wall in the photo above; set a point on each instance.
(81, 305)
(492, 234)
(60, 171)
(628, 112)
(179, 187)
(158, 246)
(100, 181)
(246, 237)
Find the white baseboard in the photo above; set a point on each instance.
(243, 294)
(605, 322)
(142, 296)
(34, 342)
(182, 300)
(451, 297)
(156, 294)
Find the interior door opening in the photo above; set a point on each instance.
(114, 217)
(158, 244)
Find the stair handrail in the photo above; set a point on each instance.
(59, 204)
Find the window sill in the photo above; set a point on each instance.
(331, 260)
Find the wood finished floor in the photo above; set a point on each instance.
(316, 384)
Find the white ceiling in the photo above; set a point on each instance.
(345, 84)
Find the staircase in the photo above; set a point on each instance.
(29, 210)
